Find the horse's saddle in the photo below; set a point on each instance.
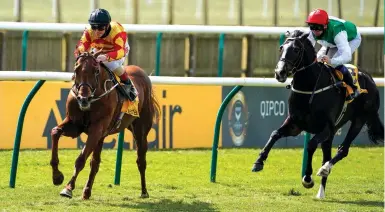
(354, 73)
(128, 107)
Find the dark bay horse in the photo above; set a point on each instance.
(316, 105)
(92, 107)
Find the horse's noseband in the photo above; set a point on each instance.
(77, 88)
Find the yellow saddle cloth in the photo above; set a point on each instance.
(130, 107)
(354, 72)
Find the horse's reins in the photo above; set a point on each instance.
(75, 93)
(305, 67)
(315, 86)
(321, 89)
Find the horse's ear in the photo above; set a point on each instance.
(287, 34)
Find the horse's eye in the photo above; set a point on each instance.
(296, 50)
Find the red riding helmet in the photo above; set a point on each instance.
(318, 16)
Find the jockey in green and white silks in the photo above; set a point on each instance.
(340, 36)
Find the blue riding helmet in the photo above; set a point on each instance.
(99, 17)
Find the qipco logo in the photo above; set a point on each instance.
(238, 118)
(272, 108)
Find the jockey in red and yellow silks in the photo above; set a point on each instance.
(115, 42)
(112, 38)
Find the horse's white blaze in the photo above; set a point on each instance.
(281, 63)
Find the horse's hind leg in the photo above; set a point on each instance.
(94, 163)
(287, 129)
(66, 128)
(342, 152)
(343, 149)
(140, 132)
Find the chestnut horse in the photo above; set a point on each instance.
(92, 107)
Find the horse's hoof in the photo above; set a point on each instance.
(144, 195)
(66, 193)
(306, 183)
(57, 178)
(325, 170)
(257, 167)
(86, 194)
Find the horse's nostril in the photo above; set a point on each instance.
(82, 99)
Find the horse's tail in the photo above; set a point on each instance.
(375, 126)
(374, 123)
(154, 107)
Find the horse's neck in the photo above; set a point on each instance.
(306, 79)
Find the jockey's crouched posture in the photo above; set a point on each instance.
(342, 39)
(111, 37)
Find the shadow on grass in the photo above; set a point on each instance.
(359, 202)
(166, 205)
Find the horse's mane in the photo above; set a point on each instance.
(296, 34)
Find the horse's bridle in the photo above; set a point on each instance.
(298, 61)
(299, 58)
(75, 88)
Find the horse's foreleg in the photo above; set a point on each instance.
(326, 137)
(327, 155)
(93, 137)
(66, 128)
(287, 129)
(94, 163)
(307, 180)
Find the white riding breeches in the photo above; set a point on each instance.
(114, 65)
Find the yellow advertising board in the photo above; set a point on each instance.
(187, 119)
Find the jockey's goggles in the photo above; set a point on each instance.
(316, 27)
(98, 27)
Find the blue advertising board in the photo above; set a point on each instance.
(255, 112)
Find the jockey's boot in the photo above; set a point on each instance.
(348, 79)
(128, 88)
